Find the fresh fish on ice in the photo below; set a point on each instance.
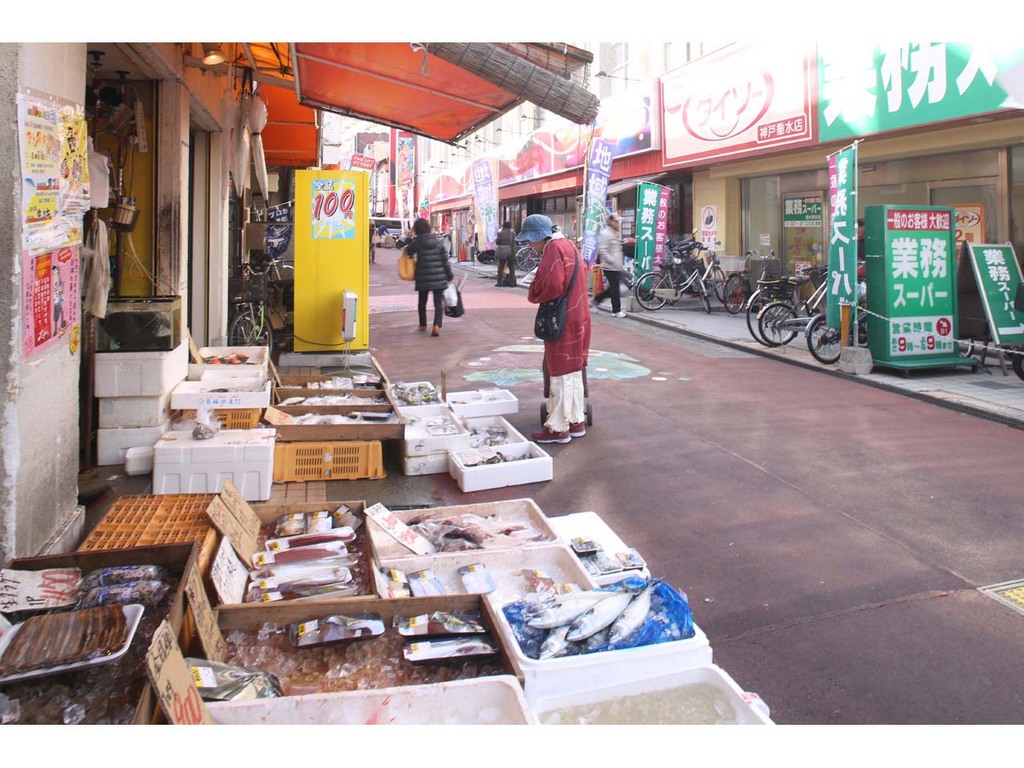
(565, 609)
(555, 643)
(602, 614)
(633, 617)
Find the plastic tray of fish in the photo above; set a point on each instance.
(561, 653)
(493, 525)
(497, 700)
(505, 568)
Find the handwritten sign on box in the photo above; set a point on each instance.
(172, 680)
(38, 590)
(399, 531)
(234, 518)
(206, 622)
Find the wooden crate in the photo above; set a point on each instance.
(356, 430)
(340, 460)
(230, 418)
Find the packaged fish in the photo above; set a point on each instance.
(583, 546)
(223, 682)
(123, 574)
(291, 524)
(538, 581)
(439, 623)
(630, 559)
(395, 583)
(315, 552)
(148, 593)
(600, 563)
(425, 583)
(335, 629)
(476, 579)
(343, 534)
(304, 575)
(337, 589)
(458, 649)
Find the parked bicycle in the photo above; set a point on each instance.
(824, 342)
(252, 295)
(526, 260)
(682, 274)
(780, 321)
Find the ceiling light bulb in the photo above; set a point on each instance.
(212, 54)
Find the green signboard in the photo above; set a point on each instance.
(842, 233)
(997, 273)
(802, 211)
(865, 89)
(651, 226)
(911, 283)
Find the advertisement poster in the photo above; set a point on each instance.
(50, 301)
(970, 225)
(708, 225)
(485, 197)
(40, 140)
(333, 210)
(74, 171)
(651, 226)
(842, 235)
(595, 193)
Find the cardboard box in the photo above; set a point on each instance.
(139, 374)
(183, 464)
(532, 465)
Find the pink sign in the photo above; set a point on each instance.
(745, 99)
(50, 297)
(363, 162)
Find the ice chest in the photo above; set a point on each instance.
(435, 433)
(429, 464)
(483, 402)
(226, 393)
(531, 465)
(139, 374)
(497, 700)
(183, 464)
(130, 412)
(589, 525)
(701, 696)
(478, 427)
(112, 444)
(256, 361)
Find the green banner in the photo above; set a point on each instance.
(998, 274)
(842, 233)
(870, 88)
(911, 284)
(651, 226)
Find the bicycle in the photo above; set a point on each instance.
(680, 274)
(252, 296)
(526, 260)
(770, 287)
(824, 342)
(780, 321)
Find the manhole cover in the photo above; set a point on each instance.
(1009, 593)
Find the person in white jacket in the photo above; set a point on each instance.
(610, 259)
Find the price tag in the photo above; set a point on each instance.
(308, 627)
(206, 622)
(38, 590)
(399, 531)
(228, 574)
(277, 418)
(173, 680)
(261, 559)
(234, 518)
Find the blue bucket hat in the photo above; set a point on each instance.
(536, 227)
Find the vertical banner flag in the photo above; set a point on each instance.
(595, 191)
(485, 196)
(651, 226)
(842, 239)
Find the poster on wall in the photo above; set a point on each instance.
(50, 300)
(595, 193)
(39, 136)
(485, 197)
(74, 170)
(333, 209)
(709, 225)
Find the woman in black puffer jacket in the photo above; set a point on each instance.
(433, 272)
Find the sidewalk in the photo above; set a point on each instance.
(987, 392)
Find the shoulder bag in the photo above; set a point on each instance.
(549, 324)
(406, 265)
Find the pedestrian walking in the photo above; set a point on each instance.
(433, 272)
(566, 358)
(503, 246)
(610, 259)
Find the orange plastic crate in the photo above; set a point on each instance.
(231, 418)
(343, 460)
(140, 521)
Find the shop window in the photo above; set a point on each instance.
(762, 215)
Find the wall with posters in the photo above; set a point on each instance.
(39, 417)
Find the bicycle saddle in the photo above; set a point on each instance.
(793, 280)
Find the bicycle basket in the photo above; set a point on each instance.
(249, 288)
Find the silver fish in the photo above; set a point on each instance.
(555, 643)
(633, 617)
(595, 641)
(599, 616)
(561, 612)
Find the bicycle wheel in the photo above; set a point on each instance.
(822, 341)
(250, 329)
(649, 290)
(737, 291)
(526, 259)
(718, 281)
(754, 304)
(705, 295)
(771, 323)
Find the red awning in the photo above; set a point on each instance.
(291, 136)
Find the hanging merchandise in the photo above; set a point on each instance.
(241, 141)
(257, 122)
(96, 262)
(99, 177)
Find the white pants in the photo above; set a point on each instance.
(566, 404)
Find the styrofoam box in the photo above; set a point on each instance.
(241, 393)
(118, 412)
(112, 444)
(533, 465)
(413, 413)
(497, 700)
(221, 372)
(505, 567)
(257, 360)
(731, 704)
(429, 464)
(483, 422)
(588, 671)
(139, 374)
(419, 442)
(589, 525)
(512, 512)
(138, 461)
(182, 464)
(483, 402)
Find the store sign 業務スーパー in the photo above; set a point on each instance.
(842, 236)
(742, 100)
(869, 89)
(804, 212)
(651, 226)
(997, 273)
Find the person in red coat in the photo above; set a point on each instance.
(565, 359)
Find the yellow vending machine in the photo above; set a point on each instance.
(332, 261)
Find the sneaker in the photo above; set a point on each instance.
(620, 313)
(593, 306)
(578, 430)
(547, 436)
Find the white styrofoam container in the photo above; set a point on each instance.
(183, 464)
(590, 525)
(428, 464)
(221, 372)
(412, 413)
(731, 701)
(483, 402)
(588, 671)
(112, 444)
(481, 423)
(497, 700)
(139, 374)
(225, 393)
(419, 441)
(257, 360)
(118, 412)
(138, 461)
(505, 567)
(536, 467)
(511, 512)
